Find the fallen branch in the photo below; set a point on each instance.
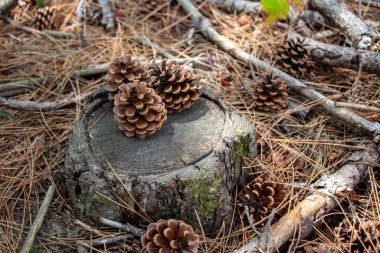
(95, 70)
(357, 31)
(345, 57)
(127, 227)
(329, 191)
(39, 106)
(105, 241)
(357, 106)
(238, 5)
(207, 29)
(38, 220)
(89, 228)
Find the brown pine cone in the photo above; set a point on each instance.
(138, 110)
(175, 85)
(48, 18)
(262, 195)
(124, 70)
(293, 58)
(172, 236)
(360, 237)
(270, 93)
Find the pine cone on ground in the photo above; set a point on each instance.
(172, 236)
(175, 85)
(363, 237)
(138, 109)
(321, 248)
(270, 93)
(293, 58)
(262, 195)
(124, 70)
(48, 18)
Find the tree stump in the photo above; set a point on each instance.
(191, 167)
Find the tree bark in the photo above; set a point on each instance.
(160, 176)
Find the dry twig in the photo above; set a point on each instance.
(127, 227)
(38, 220)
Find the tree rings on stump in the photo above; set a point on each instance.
(190, 167)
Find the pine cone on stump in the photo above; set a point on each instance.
(363, 237)
(270, 93)
(293, 57)
(172, 236)
(48, 18)
(175, 85)
(124, 70)
(138, 110)
(262, 195)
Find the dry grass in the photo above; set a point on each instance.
(33, 144)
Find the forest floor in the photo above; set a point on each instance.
(304, 142)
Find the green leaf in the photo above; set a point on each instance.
(40, 3)
(5, 114)
(36, 251)
(275, 9)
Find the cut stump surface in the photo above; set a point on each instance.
(193, 164)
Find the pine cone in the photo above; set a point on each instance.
(270, 93)
(321, 248)
(172, 236)
(293, 58)
(363, 237)
(175, 85)
(262, 195)
(124, 70)
(48, 18)
(138, 109)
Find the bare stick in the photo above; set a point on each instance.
(206, 28)
(127, 227)
(89, 228)
(95, 70)
(38, 220)
(345, 57)
(357, 106)
(357, 31)
(329, 190)
(39, 106)
(238, 5)
(104, 241)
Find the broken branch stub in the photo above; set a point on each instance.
(191, 166)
